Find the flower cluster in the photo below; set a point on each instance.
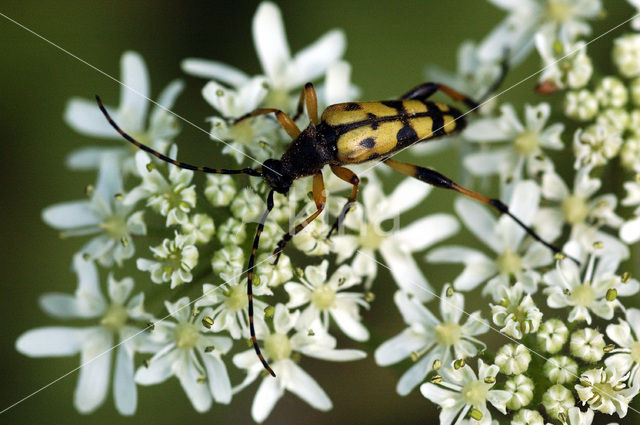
(569, 344)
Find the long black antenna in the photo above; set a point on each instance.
(249, 171)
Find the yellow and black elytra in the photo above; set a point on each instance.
(348, 133)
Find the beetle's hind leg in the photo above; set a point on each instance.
(320, 198)
(436, 179)
(350, 177)
(426, 90)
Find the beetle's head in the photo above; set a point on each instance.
(276, 176)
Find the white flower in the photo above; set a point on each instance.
(557, 400)
(626, 55)
(232, 232)
(581, 105)
(626, 335)
(461, 391)
(94, 343)
(525, 142)
(552, 335)
(527, 417)
(630, 154)
(521, 389)
(562, 20)
(201, 227)
(279, 348)
(630, 230)
(635, 23)
(587, 344)
(173, 199)
(578, 417)
(177, 257)
(611, 93)
(190, 355)
(84, 116)
(429, 340)
(226, 260)
(229, 306)
(513, 359)
(327, 297)
(604, 390)
(561, 370)
(513, 256)
(396, 247)
(577, 207)
(596, 291)
(283, 72)
(595, 145)
(104, 214)
(573, 71)
(516, 312)
(220, 189)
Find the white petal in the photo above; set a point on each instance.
(215, 71)
(268, 394)
(487, 130)
(406, 195)
(198, 392)
(474, 274)
(159, 370)
(219, 383)
(298, 294)
(51, 342)
(451, 307)
(479, 220)
(620, 334)
(349, 324)
(427, 231)
(633, 317)
(406, 273)
(168, 97)
(499, 399)
(475, 325)
(485, 163)
(270, 40)
(399, 347)
(65, 306)
(93, 381)
(524, 204)
(109, 178)
(413, 311)
(134, 92)
(416, 373)
(305, 387)
(68, 215)
(88, 158)
(313, 61)
(85, 118)
(125, 392)
(437, 395)
(455, 254)
(553, 187)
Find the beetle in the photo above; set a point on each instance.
(349, 133)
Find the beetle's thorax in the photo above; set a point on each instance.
(308, 153)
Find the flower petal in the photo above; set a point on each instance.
(478, 219)
(84, 117)
(69, 215)
(219, 383)
(427, 231)
(270, 40)
(125, 392)
(188, 374)
(214, 70)
(269, 392)
(406, 272)
(416, 373)
(314, 60)
(349, 324)
(51, 341)
(93, 380)
(134, 93)
(304, 386)
(405, 196)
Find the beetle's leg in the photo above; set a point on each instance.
(309, 98)
(249, 171)
(320, 198)
(350, 177)
(285, 120)
(438, 180)
(252, 258)
(425, 90)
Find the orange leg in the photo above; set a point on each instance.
(309, 98)
(350, 177)
(320, 198)
(285, 120)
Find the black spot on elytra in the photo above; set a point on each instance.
(368, 143)
(373, 119)
(406, 134)
(352, 107)
(395, 104)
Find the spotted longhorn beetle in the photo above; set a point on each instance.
(350, 133)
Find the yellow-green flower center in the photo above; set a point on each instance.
(277, 346)
(371, 236)
(236, 298)
(278, 98)
(186, 335)
(635, 352)
(448, 333)
(575, 209)
(242, 132)
(475, 393)
(582, 295)
(115, 317)
(323, 297)
(558, 10)
(527, 142)
(509, 262)
(115, 226)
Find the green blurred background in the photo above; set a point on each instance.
(389, 44)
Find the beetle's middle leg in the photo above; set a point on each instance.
(350, 177)
(285, 120)
(320, 198)
(308, 98)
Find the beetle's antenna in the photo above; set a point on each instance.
(249, 171)
(252, 258)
